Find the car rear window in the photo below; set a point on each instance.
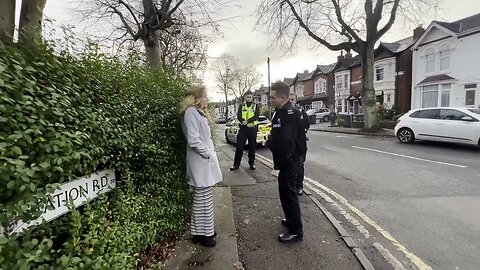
(427, 114)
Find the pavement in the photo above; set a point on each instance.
(325, 127)
(248, 220)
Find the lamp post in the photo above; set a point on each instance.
(269, 105)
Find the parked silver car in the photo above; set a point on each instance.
(321, 114)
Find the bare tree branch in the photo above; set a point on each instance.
(337, 47)
(390, 22)
(329, 22)
(134, 35)
(129, 8)
(346, 27)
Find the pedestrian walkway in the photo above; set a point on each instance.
(248, 220)
(325, 127)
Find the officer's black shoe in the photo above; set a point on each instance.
(252, 167)
(284, 222)
(234, 167)
(290, 237)
(299, 191)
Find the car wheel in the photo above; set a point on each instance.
(405, 135)
(325, 118)
(226, 137)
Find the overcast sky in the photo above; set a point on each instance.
(251, 47)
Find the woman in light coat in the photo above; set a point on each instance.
(203, 169)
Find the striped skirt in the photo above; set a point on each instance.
(202, 212)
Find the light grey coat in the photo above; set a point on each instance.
(203, 169)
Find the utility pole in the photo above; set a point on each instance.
(269, 89)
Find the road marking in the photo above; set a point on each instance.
(339, 136)
(342, 211)
(397, 265)
(410, 157)
(412, 257)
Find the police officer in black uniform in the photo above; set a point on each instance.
(305, 127)
(288, 145)
(247, 114)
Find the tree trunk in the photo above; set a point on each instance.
(7, 20)
(151, 39)
(368, 90)
(30, 28)
(226, 104)
(152, 49)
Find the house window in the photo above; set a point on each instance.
(445, 98)
(264, 99)
(430, 60)
(470, 94)
(320, 86)
(300, 90)
(389, 98)
(317, 104)
(345, 81)
(380, 73)
(339, 105)
(338, 82)
(431, 96)
(444, 57)
(470, 97)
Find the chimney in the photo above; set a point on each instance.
(418, 32)
(340, 57)
(348, 55)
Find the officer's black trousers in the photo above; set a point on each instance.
(287, 180)
(301, 175)
(244, 134)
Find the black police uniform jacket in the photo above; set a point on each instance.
(287, 138)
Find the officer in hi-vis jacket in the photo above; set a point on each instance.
(248, 115)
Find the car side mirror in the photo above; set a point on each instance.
(468, 119)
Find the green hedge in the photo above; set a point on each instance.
(63, 117)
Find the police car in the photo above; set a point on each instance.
(264, 127)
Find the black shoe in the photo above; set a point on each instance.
(299, 191)
(252, 167)
(285, 222)
(234, 167)
(206, 241)
(198, 238)
(290, 238)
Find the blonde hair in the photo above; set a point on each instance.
(193, 98)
